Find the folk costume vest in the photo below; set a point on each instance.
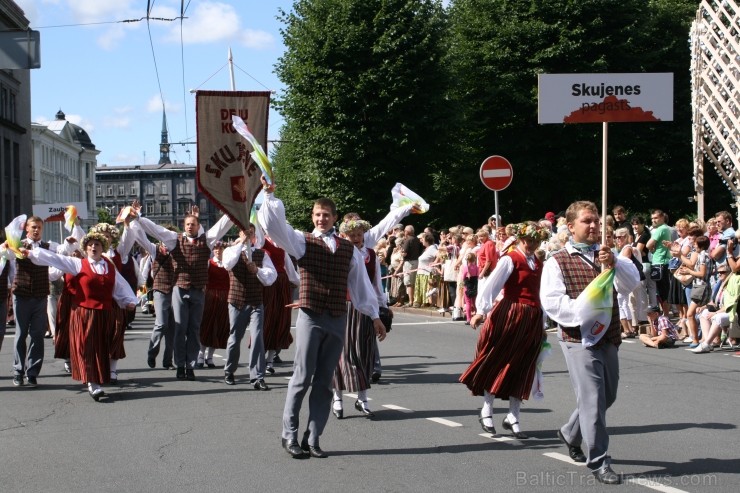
(245, 288)
(190, 260)
(324, 275)
(31, 280)
(523, 286)
(577, 274)
(162, 272)
(95, 291)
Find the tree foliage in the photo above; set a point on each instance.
(380, 91)
(364, 98)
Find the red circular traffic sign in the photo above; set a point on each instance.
(496, 173)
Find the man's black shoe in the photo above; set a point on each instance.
(151, 362)
(180, 373)
(190, 374)
(376, 377)
(312, 451)
(18, 380)
(31, 381)
(260, 385)
(291, 446)
(574, 451)
(606, 475)
(229, 379)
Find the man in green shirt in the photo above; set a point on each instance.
(659, 245)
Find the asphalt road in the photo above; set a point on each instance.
(673, 427)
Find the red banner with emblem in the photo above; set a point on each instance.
(226, 173)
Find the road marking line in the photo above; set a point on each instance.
(652, 485)
(445, 422)
(497, 438)
(628, 342)
(563, 457)
(397, 408)
(354, 396)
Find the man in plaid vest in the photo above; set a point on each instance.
(594, 370)
(249, 270)
(330, 267)
(190, 252)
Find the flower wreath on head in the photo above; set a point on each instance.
(531, 230)
(353, 224)
(105, 228)
(95, 236)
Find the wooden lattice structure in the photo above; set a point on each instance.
(715, 93)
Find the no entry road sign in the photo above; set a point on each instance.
(496, 173)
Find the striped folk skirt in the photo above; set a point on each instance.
(89, 344)
(506, 355)
(122, 318)
(214, 327)
(276, 326)
(61, 336)
(356, 362)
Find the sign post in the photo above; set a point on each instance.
(496, 174)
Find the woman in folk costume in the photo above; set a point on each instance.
(118, 253)
(355, 365)
(511, 337)
(277, 298)
(214, 329)
(64, 314)
(99, 287)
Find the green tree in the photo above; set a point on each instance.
(104, 216)
(497, 49)
(364, 104)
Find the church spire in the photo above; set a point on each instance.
(164, 146)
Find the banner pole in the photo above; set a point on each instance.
(604, 144)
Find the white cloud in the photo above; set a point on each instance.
(87, 11)
(154, 105)
(81, 121)
(208, 22)
(117, 122)
(252, 38)
(112, 37)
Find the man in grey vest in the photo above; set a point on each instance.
(330, 267)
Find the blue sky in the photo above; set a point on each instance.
(102, 74)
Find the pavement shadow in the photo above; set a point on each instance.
(638, 430)
(697, 466)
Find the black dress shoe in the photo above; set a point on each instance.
(199, 365)
(276, 360)
(151, 362)
(210, 364)
(291, 446)
(510, 426)
(180, 373)
(31, 381)
(260, 385)
(168, 366)
(339, 413)
(18, 380)
(364, 410)
(229, 379)
(606, 475)
(487, 429)
(375, 377)
(96, 395)
(574, 451)
(312, 451)
(190, 374)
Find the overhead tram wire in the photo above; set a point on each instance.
(149, 6)
(183, 8)
(124, 21)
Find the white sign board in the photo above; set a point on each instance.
(591, 98)
(55, 212)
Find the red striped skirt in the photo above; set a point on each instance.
(61, 336)
(214, 327)
(276, 325)
(356, 363)
(506, 355)
(122, 318)
(89, 344)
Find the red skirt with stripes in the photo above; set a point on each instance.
(214, 328)
(276, 327)
(506, 355)
(89, 344)
(356, 363)
(121, 320)
(61, 336)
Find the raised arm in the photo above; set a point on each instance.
(386, 224)
(169, 238)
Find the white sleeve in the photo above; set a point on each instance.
(557, 305)
(267, 273)
(122, 292)
(218, 230)
(69, 265)
(489, 287)
(232, 255)
(169, 238)
(272, 219)
(360, 289)
(290, 270)
(373, 236)
(125, 244)
(142, 240)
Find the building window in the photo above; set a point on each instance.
(182, 208)
(150, 208)
(132, 190)
(121, 190)
(163, 188)
(109, 191)
(164, 208)
(149, 189)
(98, 191)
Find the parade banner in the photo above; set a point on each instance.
(591, 98)
(226, 173)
